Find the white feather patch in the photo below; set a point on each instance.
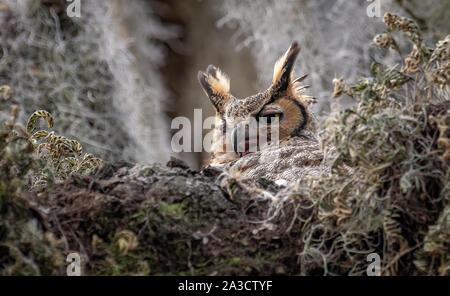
(219, 84)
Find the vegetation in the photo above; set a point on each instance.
(395, 143)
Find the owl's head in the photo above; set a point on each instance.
(281, 110)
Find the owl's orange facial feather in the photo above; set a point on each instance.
(293, 117)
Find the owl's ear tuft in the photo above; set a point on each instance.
(216, 85)
(282, 72)
(214, 81)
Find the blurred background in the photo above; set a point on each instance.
(116, 76)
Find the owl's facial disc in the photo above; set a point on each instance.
(246, 134)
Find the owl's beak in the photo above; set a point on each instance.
(243, 142)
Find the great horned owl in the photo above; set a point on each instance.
(282, 106)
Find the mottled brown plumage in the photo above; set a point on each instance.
(285, 109)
